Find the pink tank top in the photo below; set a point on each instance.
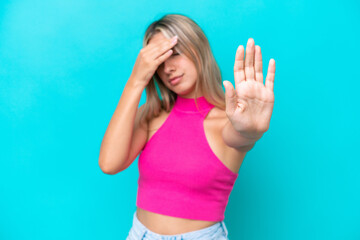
(179, 174)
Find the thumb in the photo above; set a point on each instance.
(230, 97)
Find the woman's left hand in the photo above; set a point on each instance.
(250, 105)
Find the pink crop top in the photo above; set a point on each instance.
(179, 174)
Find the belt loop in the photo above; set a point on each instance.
(143, 235)
(138, 225)
(224, 227)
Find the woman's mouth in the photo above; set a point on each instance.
(175, 80)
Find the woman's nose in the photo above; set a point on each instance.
(168, 66)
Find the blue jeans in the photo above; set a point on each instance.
(138, 231)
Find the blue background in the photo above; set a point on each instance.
(64, 65)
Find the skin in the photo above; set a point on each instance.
(246, 118)
(177, 65)
(249, 106)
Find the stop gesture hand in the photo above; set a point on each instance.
(249, 106)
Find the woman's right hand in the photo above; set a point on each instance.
(150, 58)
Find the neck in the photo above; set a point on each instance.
(191, 95)
(192, 104)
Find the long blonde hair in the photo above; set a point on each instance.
(194, 44)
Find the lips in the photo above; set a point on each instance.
(171, 79)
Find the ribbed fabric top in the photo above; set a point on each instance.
(179, 174)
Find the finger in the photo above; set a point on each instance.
(239, 73)
(230, 97)
(163, 57)
(258, 65)
(249, 60)
(167, 46)
(269, 83)
(162, 47)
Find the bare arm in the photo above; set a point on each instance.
(116, 144)
(123, 140)
(236, 140)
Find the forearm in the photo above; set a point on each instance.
(238, 139)
(115, 146)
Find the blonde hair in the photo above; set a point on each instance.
(194, 44)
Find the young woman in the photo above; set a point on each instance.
(191, 137)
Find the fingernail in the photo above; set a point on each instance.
(174, 39)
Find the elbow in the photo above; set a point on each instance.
(105, 168)
(108, 172)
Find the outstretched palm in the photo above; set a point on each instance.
(250, 105)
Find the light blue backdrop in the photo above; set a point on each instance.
(64, 65)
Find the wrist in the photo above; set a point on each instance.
(134, 83)
(251, 135)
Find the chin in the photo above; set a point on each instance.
(184, 92)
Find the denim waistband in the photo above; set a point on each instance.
(140, 232)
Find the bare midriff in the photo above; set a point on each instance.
(167, 225)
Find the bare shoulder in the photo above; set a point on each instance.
(217, 114)
(156, 122)
(216, 120)
(213, 126)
